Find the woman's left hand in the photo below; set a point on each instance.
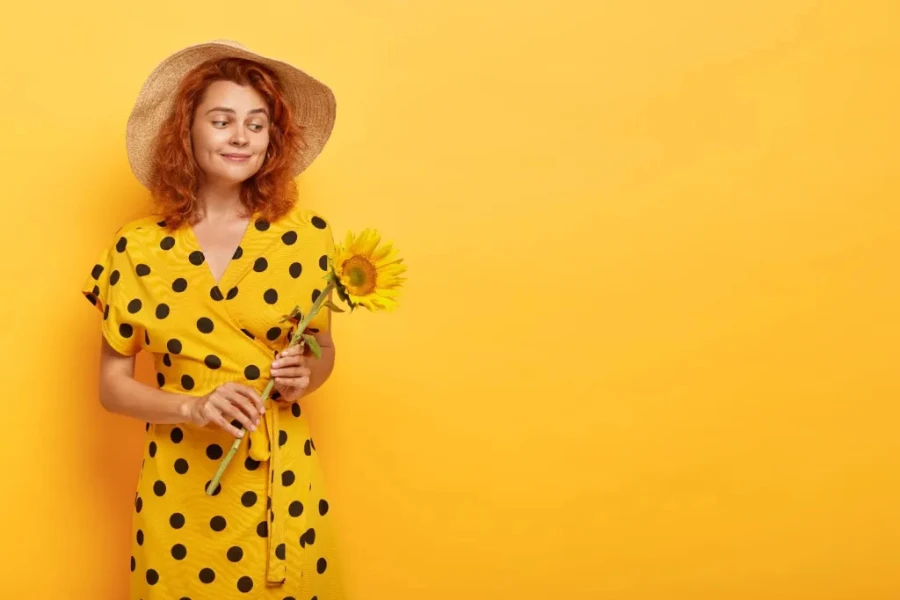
(291, 374)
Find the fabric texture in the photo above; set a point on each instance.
(266, 531)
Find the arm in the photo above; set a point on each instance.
(120, 393)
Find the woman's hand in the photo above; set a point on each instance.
(291, 374)
(228, 402)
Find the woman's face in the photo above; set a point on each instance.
(230, 134)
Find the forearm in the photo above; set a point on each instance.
(320, 369)
(124, 395)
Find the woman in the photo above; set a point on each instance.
(217, 135)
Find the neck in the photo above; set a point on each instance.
(220, 199)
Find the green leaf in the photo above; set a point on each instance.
(313, 345)
(333, 306)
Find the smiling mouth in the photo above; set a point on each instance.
(237, 157)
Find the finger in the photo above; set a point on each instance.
(230, 409)
(252, 395)
(289, 360)
(291, 372)
(292, 382)
(216, 417)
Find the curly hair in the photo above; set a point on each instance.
(176, 175)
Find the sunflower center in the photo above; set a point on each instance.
(362, 275)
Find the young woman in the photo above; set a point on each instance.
(218, 134)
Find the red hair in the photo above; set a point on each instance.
(176, 175)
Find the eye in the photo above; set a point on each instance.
(220, 123)
(256, 127)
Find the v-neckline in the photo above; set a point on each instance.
(195, 242)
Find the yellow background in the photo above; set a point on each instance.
(648, 348)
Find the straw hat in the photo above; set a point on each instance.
(312, 102)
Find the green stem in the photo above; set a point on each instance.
(295, 339)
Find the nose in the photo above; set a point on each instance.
(239, 137)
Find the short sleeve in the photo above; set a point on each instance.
(103, 289)
(320, 321)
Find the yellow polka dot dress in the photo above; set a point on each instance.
(265, 533)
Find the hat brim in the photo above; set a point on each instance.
(312, 102)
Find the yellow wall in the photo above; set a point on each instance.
(648, 346)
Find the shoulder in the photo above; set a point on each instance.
(142, 228)
(301, 216)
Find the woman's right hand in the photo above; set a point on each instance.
(228, 402)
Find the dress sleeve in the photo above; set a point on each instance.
(103, 288)
(320, 321)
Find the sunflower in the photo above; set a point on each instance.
(365, 274)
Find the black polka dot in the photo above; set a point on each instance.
(287, 478)
(323, 507)
(280, 551)
(282, 437)
(187, 382)
(308, 538)
(114, 277)
(176, 520)
(167, 360)
(207, 575)
(295, 409)
(97, 271)
(239, 252)
(323, 262)
(205, 325)
(140, 537)
(214, 451)
(275, 395)
(217, 523)
(260, 265)
(138, 504)
(179, 552)
(316, 294)
(152, 449)
(245, 584)
(248, 499)
(235, 554)
(216, 294)
(216, 491)
(251, 372)
(152, 577)
(126, 330)
(196, 257)
(307, 448)
(261, 225)
(160, 379)
(250, 464)
(167, 243)
(121, 244)
(95, 292)
(270, 296)
(162, 311)
(295, 270)
(212, 361)
(262, 530)
(247, 333)
(296, 508)
(273, 333)
(142, 270)
(177, 435)
(174, 346)
(319, 223)
(162, 223)
(321, 565)
(146, 337)
(181, 466)
(159, 488)
(289, 238)
(180, 284)
(232, 293)
(133, 564)
(106, 312)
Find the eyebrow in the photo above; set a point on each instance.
(231, 110)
